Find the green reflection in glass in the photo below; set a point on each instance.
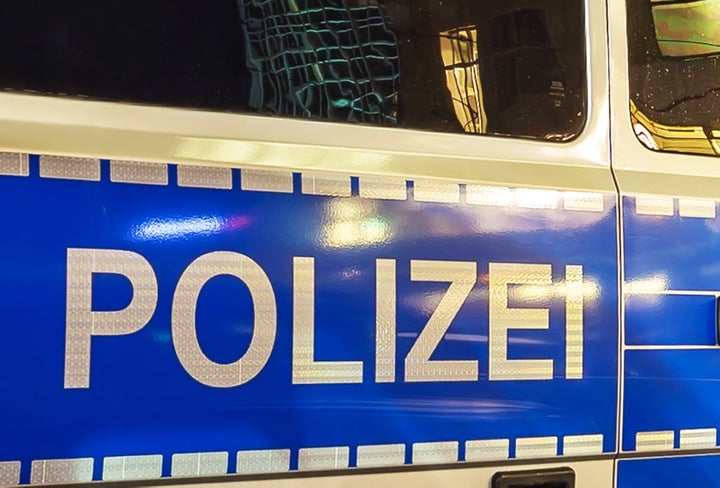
(687, 29)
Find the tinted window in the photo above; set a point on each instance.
(515, 67)
(674, 54)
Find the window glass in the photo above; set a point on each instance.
(674, 55)
(513, 68)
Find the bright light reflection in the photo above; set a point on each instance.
(715, 145)
(357, 232)
(590, 290)
(352, 223)
(532, 198)
(177, 228)
(646, 286)
(645, 136)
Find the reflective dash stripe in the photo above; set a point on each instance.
(61, 470)
(69, 168)
(117, 468)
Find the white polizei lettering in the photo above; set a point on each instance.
(532, 280)
(385, 320)
(82, 322)
(503, 318)
(305, 369)
(418, 365)
(184, 332)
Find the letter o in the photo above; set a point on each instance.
(184, 333)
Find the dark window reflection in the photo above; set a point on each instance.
(515, 67)
(674, 55)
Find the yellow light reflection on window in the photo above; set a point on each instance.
(458, 48)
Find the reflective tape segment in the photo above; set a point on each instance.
(9, 472)
(264, 180)
(583, 201)
(698, 438)
(263, 461)
(14, 164)
(659, 206)
(493, 196)
(323, 458)
(138, 172)
(532, 447)
(199, 464)
(436, 192)
(697, 208)
(326, 185)
(204, 177)
(487, 449)
(538, 199)
(434, 452)
(61, 471)
(380, 455)
(654, 441)
(382, 188)
(582, 445)
(116, 468)
(69, 168)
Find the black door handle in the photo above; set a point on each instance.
(545, 478)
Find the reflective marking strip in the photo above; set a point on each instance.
(68, 168)
(138, 172)
(61, 471)
(579, 445)
(117, 468)
(380, 455)
(385, 320)
(697, 208)
(574, 322)
(583, 201)
(10, 473)
(540, 199)
(529, 447)
(436, 192)
(324, 458)
(487, 449)
(263, 180)
(698, 438)
(199, 464)
(14, 164)
(383, 188)
(327, 185)
(494, 196)
(434, 452)
(654, 441)
(654, 206)
(204, 177)
(265, 461)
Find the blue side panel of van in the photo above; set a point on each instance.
(672, 361)
(670, 472)
(140, 399)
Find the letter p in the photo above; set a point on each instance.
(82, 322)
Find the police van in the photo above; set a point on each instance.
(274, 243)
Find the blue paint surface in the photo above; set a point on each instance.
(672, 472)
(141, 400)
(670, 389)
(670, 320)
